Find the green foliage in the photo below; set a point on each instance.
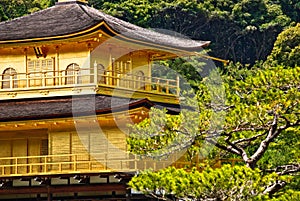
(239, 30)
(291, 8)
(286, 49)
(3, 16)
(163, 134)
(225, 183)
(255, 99)
(287, 196)
(138, 12)
(17, 8)
(284, 150)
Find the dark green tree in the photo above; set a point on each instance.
(262, 126)
(262, 116)
(241, 31)
(17, 8)
(286, 49)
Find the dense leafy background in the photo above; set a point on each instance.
(262, 33)
(241, 31)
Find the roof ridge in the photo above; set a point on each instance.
(84, 10)
(82, 2)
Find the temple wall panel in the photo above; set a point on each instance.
(60, 143)
(98, 145)
(23, 146)
(20, 148)
(108, 148)
(73, 53)
(11, 60)
(86, 142)
(34, 149)
(5, 151)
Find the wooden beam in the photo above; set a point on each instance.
(63, 188)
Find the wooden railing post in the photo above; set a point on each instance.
(60, 78)
(16, 165)
(75, 163)
(43, 79)
(158, 85)
(27, 80)
(177, 85)
(167, 87)
(118, 79)
(11, 81)
(107, 78)
(45, 164)
(95, 73)
(76, 76)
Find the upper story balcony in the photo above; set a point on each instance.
(76, 81)
(90, 163)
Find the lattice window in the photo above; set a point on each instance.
(72, 74)
(36, 67)
(9, 77)
(101, 74)
(44, 147)
(140, 77)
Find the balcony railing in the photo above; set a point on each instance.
(85, 163)
(86, 77)
(75, 163)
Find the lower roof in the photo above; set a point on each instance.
(69, 106)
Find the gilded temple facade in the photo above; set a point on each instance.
(68, 73)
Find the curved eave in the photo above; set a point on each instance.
(75, 35)
(121, 36)
(108, 31)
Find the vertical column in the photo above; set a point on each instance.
(177, 85)
(26, 68)
(90, 67)
(109, 70)
(131, 77)
(121, 74)
(95, 73)
(128, 194)
(149, 78)
(56, 68)
(50, 196)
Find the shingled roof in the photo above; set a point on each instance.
(74, 18)
(59, 107)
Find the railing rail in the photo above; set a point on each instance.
(68, 163)
(87, 76)
(86, 163)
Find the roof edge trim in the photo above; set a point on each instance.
(84, 2)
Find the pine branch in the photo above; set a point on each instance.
(249, 139)
(272, 189)
(285, 169)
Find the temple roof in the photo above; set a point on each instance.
(61, 107)
(74, 18)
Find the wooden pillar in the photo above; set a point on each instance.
(128, 194)
(110, 64)
(38, 197)
(95, 73)
(90, 65)
(50, 196)
(149, 79)
(26, 67)
(56, 67)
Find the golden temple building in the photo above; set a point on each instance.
(70, 72)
